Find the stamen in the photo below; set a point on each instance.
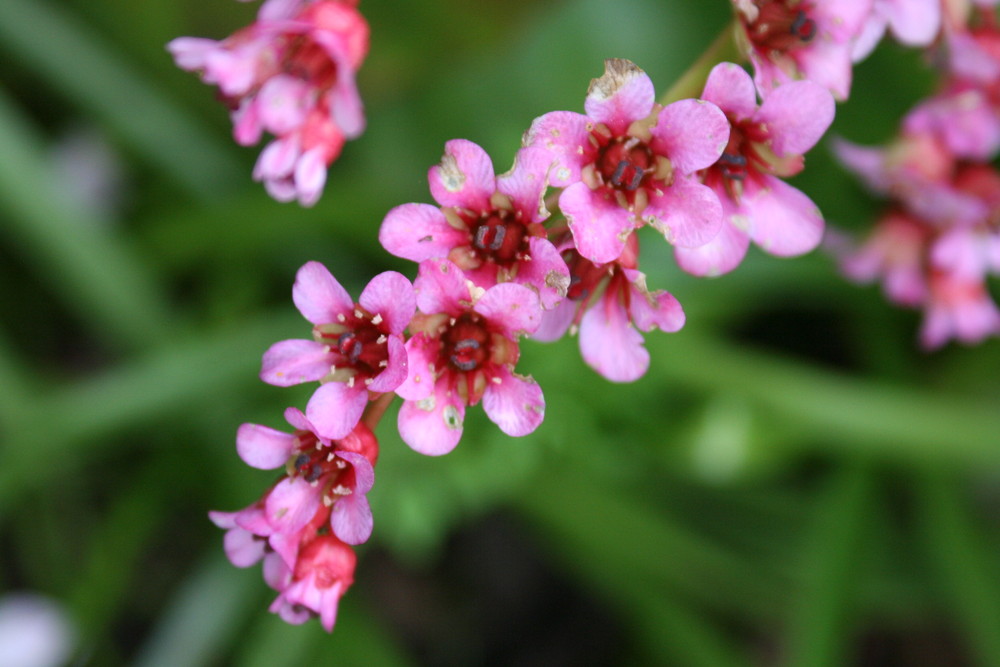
(803, 27)
(639, 173)
(616, 177)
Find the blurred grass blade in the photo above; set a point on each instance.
(818, 626)
(964, 564)
(95, 274)
(849, 413)
(69, 56)
(200, 624)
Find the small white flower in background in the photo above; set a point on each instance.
(35, 631)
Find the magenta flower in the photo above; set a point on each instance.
(765, 144)
(488, 226)
(628, 162)
(319, 473)
(291, 74)
(788, 40)
(611, 305)
(463, 350)
(357, 348)
(323, 573)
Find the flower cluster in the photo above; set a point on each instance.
(552, 247)
(291, 74)
(939, 238)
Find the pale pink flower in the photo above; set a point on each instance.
(960, 309)
(490, 227)
(911, 22)
(766, 143)
(788, 40)
(292, 74)
(357, 348)
(962, 118)
(629, 162)
(612, 305)
(463, 349)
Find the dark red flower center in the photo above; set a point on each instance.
(360, 340)
(465, 345)
(625, 163)
(313, 461)
(781, 25)
(499, 237)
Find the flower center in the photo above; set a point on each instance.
(308, 61)
(498, 236)
(465, 345)
(625, 163)
(360, 341)
(779, 26)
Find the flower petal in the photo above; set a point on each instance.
(566, 135)
(797, 115)
(599, 226)
(687, 213)
(511, 307)
(441, 287)
(421, 353)
(610, 344)
(692, 133)
(515, 403)
(291, 362)
(395, 372)
(390, 294)
(318, 295)
(720, 255)
(465, 177)
(336, 407)
(545, 272)
(263, 447)
(432, 426)
(732, 90)
(624, 93)
(418, 232)
(783, 221)
(291, 504)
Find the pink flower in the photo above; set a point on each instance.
(612, 304)
(765, 143)
(291, 73)
(463, 350)
(628, 162)
(488, 226)
(357, 348)
(319, 472)
(960, 117)
(912, 22)
(321, 576)
(801, 39)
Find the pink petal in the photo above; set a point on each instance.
(653, 310)
(610, 344)
(913, 22)
(390, 294)
(291, 504)
(732, 90)
(351, 519)
(555, 322)
(688, 214)
(277, 160)
(797, 115)
(465, 177)
(599, 225)
(418, 232)
(511, 307)
(515, 403)
(526, 182)
(310, 176)
(395, 372)
(692, 133)
(441, 287)
(421, 355)
(546, 272)
(190, 52)
(318, 295)
(720, 255)
(783, 221)
(828, 64)
(297, 420)
(566, 135)
(242, 547)
(291, 362)
(624, 93)
(263, 447)
(364, 474)
(335, 408)
(432, 426)
(282, 103)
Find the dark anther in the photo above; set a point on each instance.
(467, 365)
(349, 346)
(616, 178)
(314, 473)
(803, 27)
(466, 344)
(639, 173)
(301, 460)
(733, 166)
(484, 239)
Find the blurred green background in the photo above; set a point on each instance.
(792, 483)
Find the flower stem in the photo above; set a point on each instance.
(690, 84)
(375, 409)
